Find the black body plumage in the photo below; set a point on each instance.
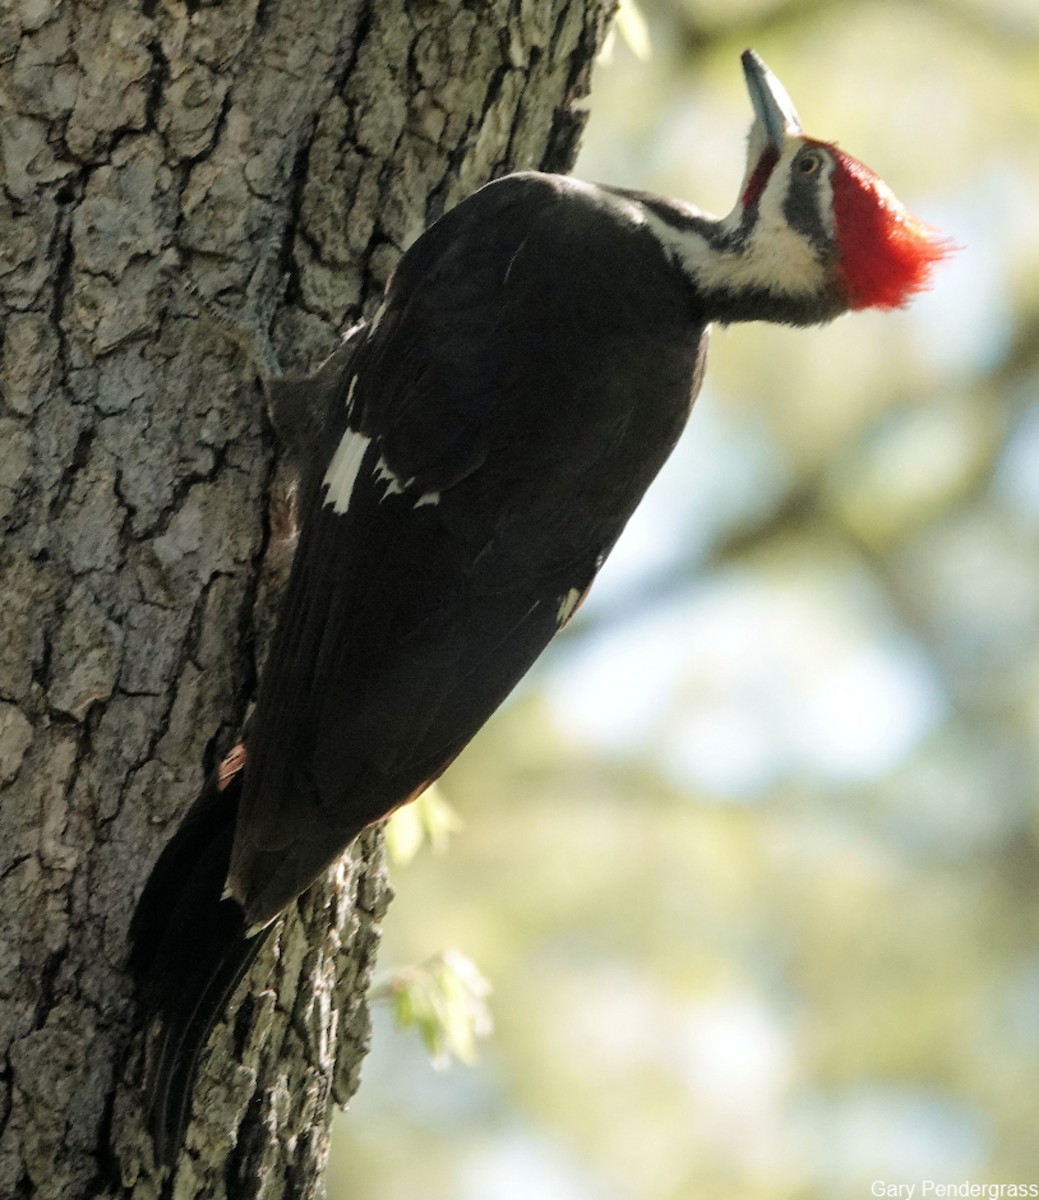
(189, 950)
(536, 414)
(533, 366)
(484, 440)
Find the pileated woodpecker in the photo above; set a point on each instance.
(485, 438)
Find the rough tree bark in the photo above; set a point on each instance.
(144, 521)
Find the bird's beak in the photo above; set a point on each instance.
(775, 117)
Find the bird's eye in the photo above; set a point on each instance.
(808, 164)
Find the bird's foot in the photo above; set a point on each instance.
(249, 327)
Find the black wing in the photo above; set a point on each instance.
(490, 434)
(481, 461)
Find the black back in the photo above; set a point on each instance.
(532, 369)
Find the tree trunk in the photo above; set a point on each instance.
(145, 526)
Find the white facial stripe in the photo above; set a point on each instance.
(777, 187)
(427, 498)
(826, 199)
(774, 258)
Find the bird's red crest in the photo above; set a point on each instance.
(887, 254)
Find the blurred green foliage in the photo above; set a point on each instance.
(752, 860)
(445, 999)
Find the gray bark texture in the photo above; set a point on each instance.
(146, 525)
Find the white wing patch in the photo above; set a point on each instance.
(383, 474)
(395, 486)
(380, 312)
(568, 604)
(342, 470)
(341, 476)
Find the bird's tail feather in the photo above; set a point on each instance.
(189, 951)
